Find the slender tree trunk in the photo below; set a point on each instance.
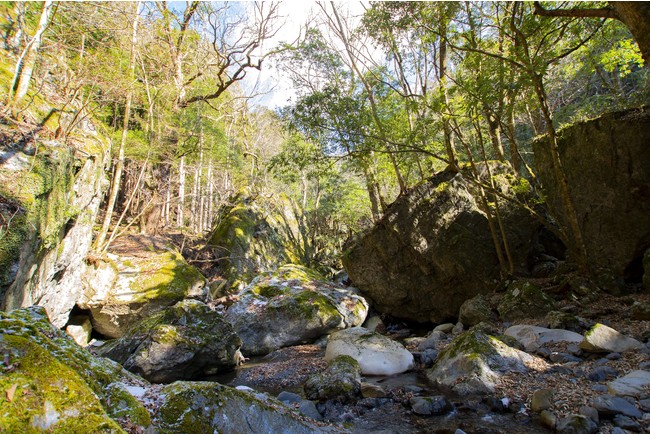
(119, 167)
(515, 159)
(199, 193)
(207, 221)
(449, 141)
(181, 192)
(168, 197)
(27, 59)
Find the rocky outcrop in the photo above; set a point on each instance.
(204, 407)
(433, 249)
(51, 197)
(607, 165)
(375, 353)
(50, 384)
(124, 289)
(291, 306)
(184, 342)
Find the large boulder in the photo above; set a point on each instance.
(603, 339)
(433, 248)
(204, 407)
(126, 288)
(184, 342)
(606, 162)
(50, 384)
(375, 353)
(473, 362)
(292, 306)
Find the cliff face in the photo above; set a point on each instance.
(607, 165)
(51, 194)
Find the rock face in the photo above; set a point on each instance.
(52, 198)
(607, 165)
(603, 339)
(341, 381)
(121, 290)
(196, 408)
(433, 248)
(375, 353)
(292, 306)
(51, 384)
(184, 342)
(472, 362)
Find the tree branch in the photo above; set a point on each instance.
(606, 12)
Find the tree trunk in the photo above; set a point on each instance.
(27, 59)
(636, 16)
(449, 141)
(181, 192)
(119, 167)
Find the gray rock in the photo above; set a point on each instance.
(627, 423)
(634, 384)
(556, 357)
(576, 424)
(186, 341)
(433, 249)
(430, 405)
(476, 310)
(523, 300)
(289, 397)
(428, 357)
(609, 406)
(341, 381)
(432, 340)
(602, 339)
(458, 329)
(533, 337)
(292, 306)
(542, 399)
(444, 328)
(308, 408)
(199, 407)
(590, 412)
(369, 390)
(548, 419)
(562, 320)
(602, 373)
(473, 361)
(645, 404)
(375, 353)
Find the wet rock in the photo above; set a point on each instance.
(369, 390)
(430, 405)
(202, 407)
(292, 306)
(433, 248)
(601, 339)
(635, 384)
(533, 337)
(341, 381)
(523, 300)
(376, 354)
(542, 399)
(186, 341)
(602, 373)
(576, 424)
(609, 406)
(548, 419)
(472, 362)
(626, 423)
(127, 289)
(476, 310)
(640, 311)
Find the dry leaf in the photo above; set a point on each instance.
(10, 392)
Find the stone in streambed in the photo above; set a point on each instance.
(609, 406)
(603, 339)
(341, 381)
(636, 384)
(375, 353)
(533, 337)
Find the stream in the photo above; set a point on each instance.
(288, 368)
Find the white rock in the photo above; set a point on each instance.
(634, 384)
(376, 354)
(80, 332)
(602, 339)
(533, 337)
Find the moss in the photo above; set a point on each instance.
(268, 291)
(167, 276)
(47, 394)
(121, 404)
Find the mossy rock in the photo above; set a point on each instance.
(198, 408)
(291, 306)
(138, 288)
(341, 381)
(186, 341)
(122, 405)
(45, 394)
(524, 299)
(54, 375)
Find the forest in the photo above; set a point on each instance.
(198, 184)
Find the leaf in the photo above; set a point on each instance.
(10, 392)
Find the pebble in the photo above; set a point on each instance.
(289, 397)
(542, 399)
(613, 356)
(430, 405)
